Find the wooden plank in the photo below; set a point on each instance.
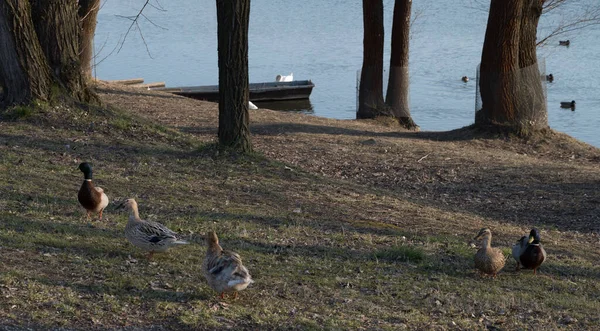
(130, 81)
(149, 85)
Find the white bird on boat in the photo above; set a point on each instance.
(251, 105)
(288, 78)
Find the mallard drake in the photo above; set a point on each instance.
(465, 79)
(534, 254)
(224, 270)
(92, 198)
(148, 235)
(567, 104)
(518, 249)
(488, 260)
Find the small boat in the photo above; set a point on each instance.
(567, 104)
(269, 91)
(564, 42)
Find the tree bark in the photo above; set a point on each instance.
(88, 13)
(533, 109)
(233, 17)
(370, 94)
(24, 71)
(510, 84)
(398, 85)
(57, 26)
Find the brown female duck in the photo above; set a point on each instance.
(92, 198)
(488, 260)
(224, 270)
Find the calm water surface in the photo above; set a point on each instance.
(322, 41)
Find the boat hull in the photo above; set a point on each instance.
(271, 91)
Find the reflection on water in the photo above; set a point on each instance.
(300, 105)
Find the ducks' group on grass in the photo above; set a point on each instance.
(527, 252)
(223, 270)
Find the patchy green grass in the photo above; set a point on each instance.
(321, 252)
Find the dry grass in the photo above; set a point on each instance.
(343, 224)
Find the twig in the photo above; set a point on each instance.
(134, 20)
(423, 158)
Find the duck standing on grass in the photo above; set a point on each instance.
(488, 260)
(224, 270)
(518, 249)
(534, 254)
(148, 235)
(92, 198)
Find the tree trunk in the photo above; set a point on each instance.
(510, 84)
(233, 17)
(398, 85)
(88, 12)
(370, 94)
(57, 26)
(24, 71)
(533, 110)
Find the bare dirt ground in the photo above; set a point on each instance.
(551, 180)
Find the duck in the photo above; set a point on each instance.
(534, 254)
(550, 78)
(567, 104)
(288, 78)
(224, 270)
(564, 42)
(465, 79)
(518, 249)
(92, 198)
(488, 260)
(149, 236)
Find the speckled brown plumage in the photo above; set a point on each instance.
(222, 269)
(148, 235)
(488, 260)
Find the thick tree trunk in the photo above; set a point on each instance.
(88, 13)
(233, 17)
(57, 26)
(24, 71)
(499, 64)
(370, 94)
(398, 84)
(510, 84)
(533, 112)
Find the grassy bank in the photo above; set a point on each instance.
(343, 224)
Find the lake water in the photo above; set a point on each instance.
(322, 41)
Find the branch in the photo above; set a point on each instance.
(589, 17)
(135, 22)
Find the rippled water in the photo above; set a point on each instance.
(322, 41)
